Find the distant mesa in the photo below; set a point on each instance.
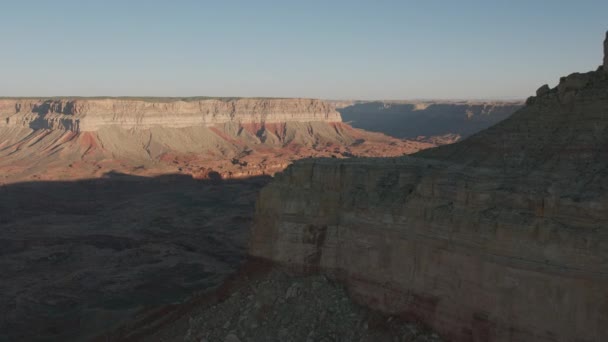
(65, 138)
(92, 114)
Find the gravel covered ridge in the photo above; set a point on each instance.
(280, 307)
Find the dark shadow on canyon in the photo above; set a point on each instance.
(79, 257)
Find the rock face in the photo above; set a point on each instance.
(94, 114)
(606, 53)
(501, 237)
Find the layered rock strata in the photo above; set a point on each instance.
(94, 114)
(53, 139)
(501, 237)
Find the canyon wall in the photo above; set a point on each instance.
(94, 114)
(500, 237)
(471, 253)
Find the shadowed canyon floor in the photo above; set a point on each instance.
(79, 257)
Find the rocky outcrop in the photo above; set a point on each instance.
(94, 114)
(606, 53)
(501, 237)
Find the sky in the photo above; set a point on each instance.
(321, 49)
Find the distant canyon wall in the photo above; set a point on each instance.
(232, 137)
(411, 120)
(93, 114)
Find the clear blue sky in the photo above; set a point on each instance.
(324, 49)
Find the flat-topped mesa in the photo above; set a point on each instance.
(92, 114)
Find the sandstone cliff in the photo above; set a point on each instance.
(94, 114)
(501, 237)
